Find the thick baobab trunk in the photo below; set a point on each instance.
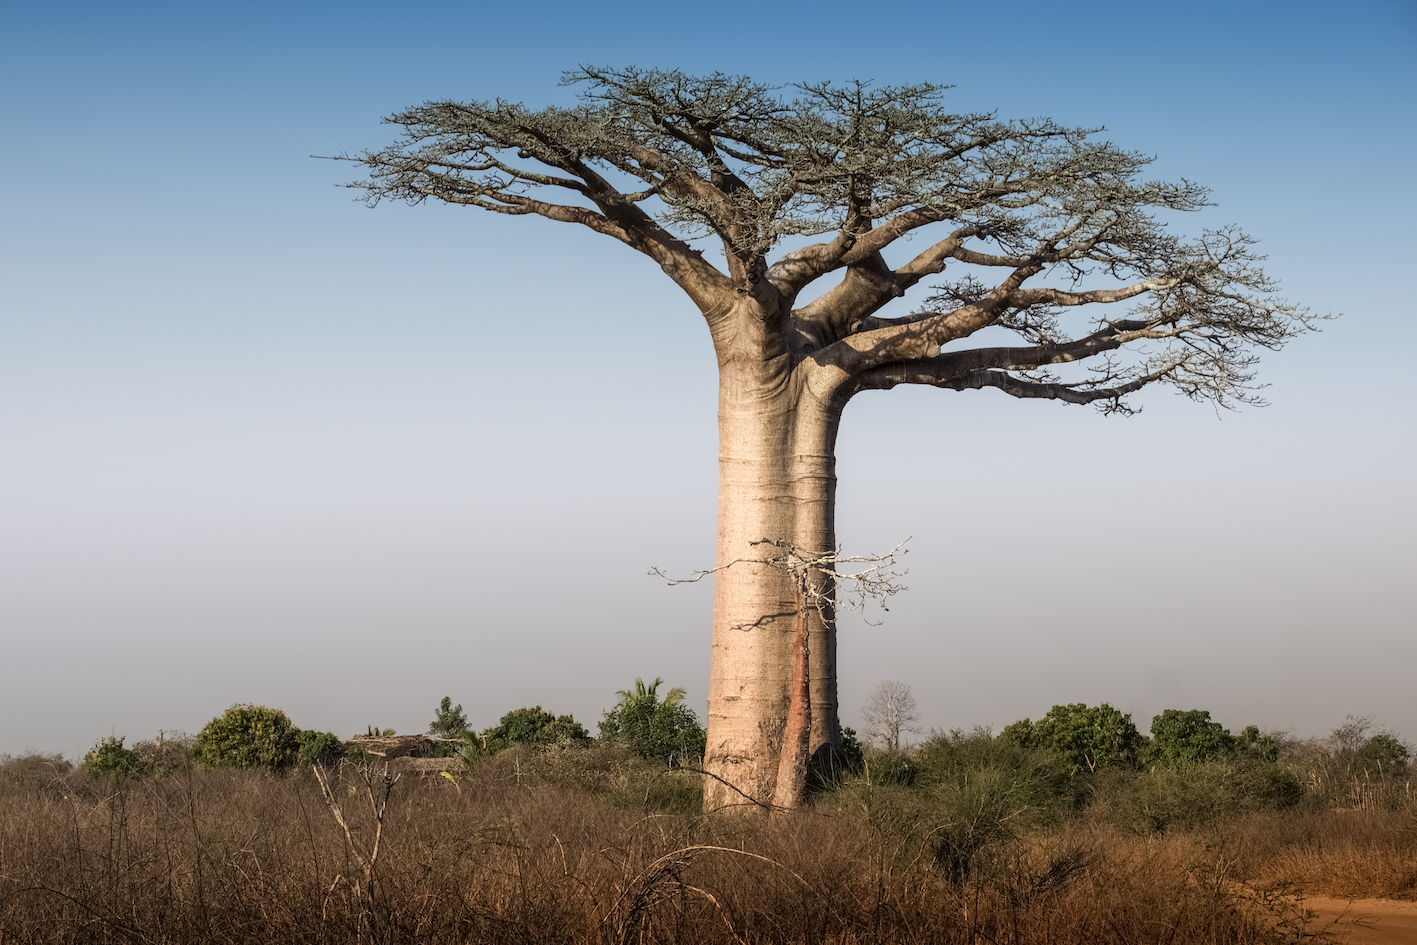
(772, 690)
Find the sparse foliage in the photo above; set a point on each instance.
(170, 752)
(1355, 766)
(875, 580)
(890, 712)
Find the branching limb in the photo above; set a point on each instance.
(1109, 388)
(1062, 220)
(877, 581)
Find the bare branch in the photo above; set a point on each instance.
(878, 581)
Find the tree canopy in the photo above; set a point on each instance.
(1089, 737)
(1188, 737)
(1045, 219)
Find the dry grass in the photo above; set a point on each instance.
(1346, 854)
(556, 848)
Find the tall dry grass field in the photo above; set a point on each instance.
(587, 847)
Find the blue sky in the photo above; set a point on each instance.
(259, 443)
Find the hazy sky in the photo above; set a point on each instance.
(259, 443)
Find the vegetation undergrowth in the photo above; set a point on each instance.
(968, 838)
(1075, 828)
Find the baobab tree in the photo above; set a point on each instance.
(1024, 227)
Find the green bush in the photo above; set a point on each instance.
(449, 722)
(894, 766)
(1382, 756)
(1269, 785)
(1263, 747)
(852, 754)
(980, 809)
(1188, 737)
(1043, 781)
(318, 748)
(829, 768)
(110, 757)
(532, 727)
(653, 729)
(249, 736)
(1198, 794)
(957, 799)
(1089, 737)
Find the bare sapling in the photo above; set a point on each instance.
(377, 789)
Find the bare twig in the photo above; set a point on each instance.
(378, 805)
(879, 581)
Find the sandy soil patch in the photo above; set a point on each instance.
(1365, 921)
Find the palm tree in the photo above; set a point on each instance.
(652, 728)
(672, 697)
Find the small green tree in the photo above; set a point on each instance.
(1188, 737)
(449, 722)
(249, 736)
(110, 757)
(853, 756)
(1090, 737)
(1383, 755)
(653, 729)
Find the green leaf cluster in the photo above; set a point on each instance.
(654, 729)
(1382, 755)
(1188, 737)
(318, 748)
(1191, 737)
(1089, 737)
